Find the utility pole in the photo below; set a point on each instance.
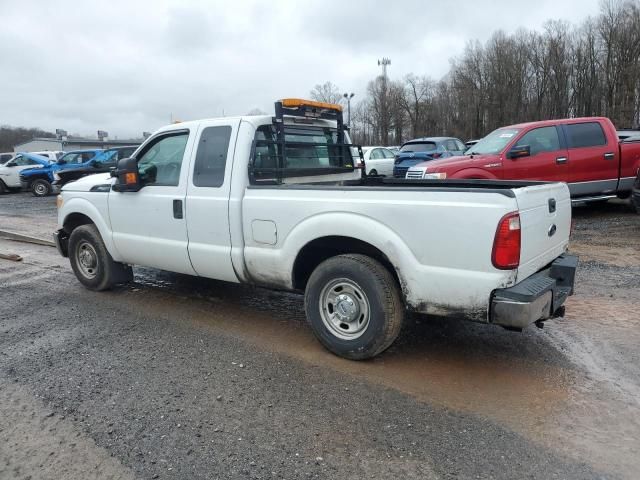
(384, 107)
(349, 97)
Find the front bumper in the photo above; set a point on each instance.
(61, 239)
(538, 297)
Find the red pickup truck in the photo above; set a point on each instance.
(583, 152)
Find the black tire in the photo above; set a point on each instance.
(3, 188)
(40, 188)
(91, 262)
(373, 172)
(381, 296)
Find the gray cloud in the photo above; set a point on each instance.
(126, 66)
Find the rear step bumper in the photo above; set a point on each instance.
(538, 297)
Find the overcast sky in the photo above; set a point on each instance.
(126, 66)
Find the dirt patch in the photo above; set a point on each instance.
(36, 443)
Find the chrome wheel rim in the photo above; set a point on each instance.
(87, 259)
(344, 308)
(40, 189)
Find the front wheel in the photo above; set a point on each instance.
(3, 188)
(91, 262)
(354, 307)
(41, 188)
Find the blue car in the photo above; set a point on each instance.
(39, 180)
(423, 149)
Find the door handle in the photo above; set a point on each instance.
(561, 160)
(177, 209)
(609, 156)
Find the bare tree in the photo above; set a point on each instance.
(326, 92)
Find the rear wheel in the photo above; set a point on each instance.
(3, 188)
(92, 263)
(373, 172)
(354, 307)
(41, 188)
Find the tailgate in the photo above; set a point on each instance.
(545, 222)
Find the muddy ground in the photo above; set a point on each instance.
(175, 377)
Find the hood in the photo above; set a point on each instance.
(456, 163)
(44, 161)
(85, 184)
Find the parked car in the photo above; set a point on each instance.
(103, 162)
(39, 181)
(378, 160)
(271, 201)
(425, 149)
(584, 152)
(10, 170)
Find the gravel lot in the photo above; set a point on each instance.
(176, 377)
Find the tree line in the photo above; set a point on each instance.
(563, 71)
(11, 136)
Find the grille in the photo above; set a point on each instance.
(400, 172)
(415, 174)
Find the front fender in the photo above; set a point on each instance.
(99, 217)
(471, 173)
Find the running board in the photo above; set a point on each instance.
(592, 199)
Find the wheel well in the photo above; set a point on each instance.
(75, 220)
(320, 249)
(33, 178)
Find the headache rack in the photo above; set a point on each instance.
(275, 157)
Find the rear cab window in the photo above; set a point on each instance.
(588, 134)
(308, 150)
(211, 156)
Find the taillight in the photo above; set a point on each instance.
(506, 245)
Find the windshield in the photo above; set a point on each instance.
(494, 142)
(419, 147)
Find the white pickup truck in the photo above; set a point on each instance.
(281, 202)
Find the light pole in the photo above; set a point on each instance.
(349, 96)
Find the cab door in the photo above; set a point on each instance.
(547, 160)
(149, 226)
(593, 161)
(207, 203)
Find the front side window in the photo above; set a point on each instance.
(211, 158)
(585, 135)
(388, 153)
(161, 161)
(544, 139)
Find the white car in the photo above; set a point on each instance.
(10, 170)
(278, 201)
(378, 161)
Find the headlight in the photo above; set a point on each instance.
(59, 201)
(435, 176)
(56, 176)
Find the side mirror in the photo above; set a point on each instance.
(128, 176)
(519, 151)
(62, 161)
